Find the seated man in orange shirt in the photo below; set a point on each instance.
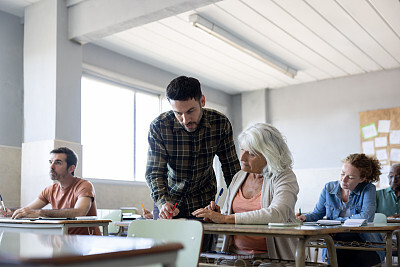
(69, 196)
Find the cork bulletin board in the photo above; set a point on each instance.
(380, 136)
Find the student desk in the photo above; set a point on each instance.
(303, 233)
(50, 226)
(26, 249)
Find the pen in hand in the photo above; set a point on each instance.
(299, 211)
(2, 204)
(172, 210)
(220, 193)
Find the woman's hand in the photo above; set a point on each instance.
(213, 207)
(213, 216)
(300, 217)
(6, 213)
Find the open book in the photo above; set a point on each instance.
(355, 222)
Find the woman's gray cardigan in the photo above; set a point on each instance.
(278, 198)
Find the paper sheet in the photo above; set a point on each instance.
(368, 147)
(394, 137)
(383, 126)
(395, 154)
(369, 131)
(381, 154)
(381, 141)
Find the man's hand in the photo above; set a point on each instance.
(166, 210)
(25, 213)
(394, 216)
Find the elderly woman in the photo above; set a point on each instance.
(353, 196)
(264, 191)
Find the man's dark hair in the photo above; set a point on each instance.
(184, 88)
(72, 159)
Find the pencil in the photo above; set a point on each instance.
(172, 210)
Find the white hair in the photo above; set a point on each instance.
(265, 139)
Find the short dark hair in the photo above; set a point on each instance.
(368, 166)
(184, 88)
(72, 159)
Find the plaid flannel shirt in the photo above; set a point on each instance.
(180, 164)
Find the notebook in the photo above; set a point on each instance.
(355, 222)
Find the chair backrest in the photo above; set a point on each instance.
(380, 218)
(187, 232)
(113, 215)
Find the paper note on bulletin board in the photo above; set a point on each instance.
(380, 137)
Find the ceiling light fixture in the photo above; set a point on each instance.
(216, 31)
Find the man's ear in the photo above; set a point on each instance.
(71, 169)
(363, 179)
(202, 101)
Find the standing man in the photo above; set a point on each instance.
(182, 146)
(387, 200)
(69, 196)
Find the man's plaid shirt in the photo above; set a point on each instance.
(180, 164)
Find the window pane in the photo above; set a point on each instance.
(147, 109)
(165, 105)
(107, 130)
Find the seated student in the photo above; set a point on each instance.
(265, 190)
(353, 196)
(387, 200)
(69, 196)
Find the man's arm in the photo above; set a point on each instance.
(156, 169)
(227, 155)
(34, 210)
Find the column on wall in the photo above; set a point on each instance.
(52, 107)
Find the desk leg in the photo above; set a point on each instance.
(301, 246)
(105, 229)
(300, 251)
(65, 230)
(330, 245)
(388, 249)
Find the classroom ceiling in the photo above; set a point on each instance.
(319, 39)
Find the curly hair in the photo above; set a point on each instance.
(369, 167)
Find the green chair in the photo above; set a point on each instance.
(187, 232)
(114, 216)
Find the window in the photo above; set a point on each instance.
(115, 123)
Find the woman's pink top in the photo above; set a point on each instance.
(248, 244)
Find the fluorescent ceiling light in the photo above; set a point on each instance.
(209, 27)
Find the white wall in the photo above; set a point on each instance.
(11, 80)
(321, 123)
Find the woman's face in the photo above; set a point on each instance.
(250, 162)
(350, 177)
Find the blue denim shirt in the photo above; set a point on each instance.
(362, 204)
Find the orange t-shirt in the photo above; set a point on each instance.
(66, 199)
(248, 244)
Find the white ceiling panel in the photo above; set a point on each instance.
(320, 39)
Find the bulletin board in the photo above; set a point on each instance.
(380, 135)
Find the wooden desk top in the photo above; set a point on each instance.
(376, 227)
(265, 229)
(52, 221)
(28, 248)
